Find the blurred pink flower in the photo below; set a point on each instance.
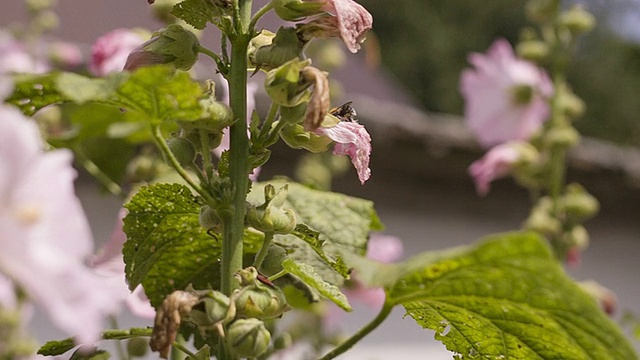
(16, 57)
(110, 51)
(346, 19)
(505, 97)
(351, 139)
(65, 54)
(44, 234)
(109, 263)
(499, 162)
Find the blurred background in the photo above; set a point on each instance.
(405, 89)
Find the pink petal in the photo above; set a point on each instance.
(353, 20)
(351, 139)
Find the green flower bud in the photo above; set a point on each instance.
(272, 263)
(213, 310)
(172, 45)
(578, 204)
(533, 50)
(570, 103)
(270, 216)
(285, 46)
(248, 338)
(298, 138)
(257, 300)
(283, 341)
(137, 347)
(578, 237)
(565, 137)
(295, 10)
(540, 10)
(209, 218)
(216, 117)
(183, 151)
(286, 86)
(540, 219)
(577, 20)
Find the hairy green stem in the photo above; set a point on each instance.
(95, 171)
(278, 275)
(348, 343)
(262, 254)
(268, 122)
(122, 334)
(260, 13)
(162, 144)
(558, 153)
(203, 50)
(233, 226)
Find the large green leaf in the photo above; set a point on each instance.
(160, 93)
(167, 249)
(196, 13)
(506, 298)
(310, 277)
(33, 92)
(342, 222)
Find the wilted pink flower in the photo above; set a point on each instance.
(505, 97)
(498, 162)
(351, 139)
(44, 234)
(109, 263)
(349, 21)
(110, 51)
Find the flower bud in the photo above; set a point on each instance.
(216, 117)
(564, 137)
(283, 341)
(578, 20)
(296, 137)
(541, 10)
(256, 300)
(295, 10)
(209, 218)
(570, 103)
(578, 204)
(183, 151)
(578, 237)
(272, 263)
(285, 84)
(212, 311)
(533, 50)
(540, 219)
(270, 216)
(284, 47)
(137, 347)
(172, 45)
(248, 338)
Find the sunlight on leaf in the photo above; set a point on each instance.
(310, 277)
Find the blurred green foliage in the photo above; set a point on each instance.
(425, 43)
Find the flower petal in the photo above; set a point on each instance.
(351, 139)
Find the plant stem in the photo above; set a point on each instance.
(209, 53)
(347, 344)
(558, 153)
(260, 13)
(268, 236)
(162, 144)
(268, 122)
(103, 178)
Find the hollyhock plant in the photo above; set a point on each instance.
(44, 236)
(351, 139)
(506, 98)
(110, 51)
(499, 162)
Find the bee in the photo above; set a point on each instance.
(345, 112)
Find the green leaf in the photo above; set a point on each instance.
(166, 248)
(506, 298)
(196, 13)
(202, 354)
(90, 354)
(56, 347)
(160, 93)
(80, 89)
(343, 223)
(33, 92)
(310, 277)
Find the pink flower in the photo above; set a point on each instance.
(348, 20)
(65, 54)
(16, 57)
(109, 263)
(109, 53)
(44, 234)
(351, 139)
(499, 162)
(505, 97)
